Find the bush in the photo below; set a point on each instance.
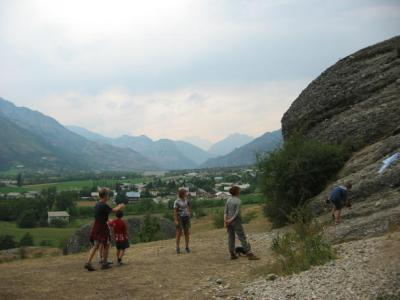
(26, 240)
(7, 242)
(218, 219)
(59, 223)
(302, 247)
(27, 219)
(169, 215)
(295, 173)
(150, 229)
(199, 213)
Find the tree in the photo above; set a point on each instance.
(19, 179)
(49, 195)
(26, 240)
(295, 173)
(27, 219)
(7, 242)
(65, 200)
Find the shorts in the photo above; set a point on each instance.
(100, 233)
(122, 245)
(337, 203)
(184, 223)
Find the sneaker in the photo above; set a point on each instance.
(251, 256)
(187, 250)
(105, 266)
(234, 256)
(89, 267)
(178, 251)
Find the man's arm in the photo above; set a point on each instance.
(235, 214)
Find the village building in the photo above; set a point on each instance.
(133, 196)
(13, 195)
(94, 194)
(57, 215)
(222, 195)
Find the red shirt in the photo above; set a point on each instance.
(120, 230)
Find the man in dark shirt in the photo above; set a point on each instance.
(100, 233)
(339, 198)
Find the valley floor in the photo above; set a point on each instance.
(154, 271)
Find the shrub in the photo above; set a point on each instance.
(169, 215)
(26, 240)
(218, 219)
(199, 213)
(27, 219)
(302, 247)
(150, 229)
(7, 242)
(295, 173)
(59, 223)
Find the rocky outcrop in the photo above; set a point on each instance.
(357, 102)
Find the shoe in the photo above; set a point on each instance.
(105, 266)
(251, 256)
(187, 250)
(178, 251)
(234, 256)
(89, 267)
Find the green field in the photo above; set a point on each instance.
(55, 235)
(67, 185)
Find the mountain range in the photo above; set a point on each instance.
(247, 154)
(37, 141)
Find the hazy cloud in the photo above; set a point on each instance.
(163, 67)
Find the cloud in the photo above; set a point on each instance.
(119, 111)
(157, 67)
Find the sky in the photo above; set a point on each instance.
(177, 68)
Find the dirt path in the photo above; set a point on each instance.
(152, 271)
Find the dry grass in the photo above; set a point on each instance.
(152, 270)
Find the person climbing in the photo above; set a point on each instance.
(233, 223)
(339, 198)
(120, 231)
(100, 233)
(182, 212)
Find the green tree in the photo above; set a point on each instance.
(295, 173)
(26, 240)
(7, 242)
(27, 219)
(66, 200)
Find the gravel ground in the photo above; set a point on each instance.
(365, 269)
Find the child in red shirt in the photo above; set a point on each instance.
(120, 230)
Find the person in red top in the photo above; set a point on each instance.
(120, 230)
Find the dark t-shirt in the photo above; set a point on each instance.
(101, 212)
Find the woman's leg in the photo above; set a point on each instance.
(92, 251)
(187, 238)
(178, 236)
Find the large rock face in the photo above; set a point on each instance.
(357, 101)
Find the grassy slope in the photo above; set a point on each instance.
(153, 270)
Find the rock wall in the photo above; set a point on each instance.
(357, 101)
